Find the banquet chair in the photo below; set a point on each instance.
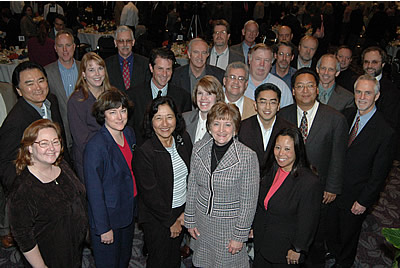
(106, 47)
(81, 48)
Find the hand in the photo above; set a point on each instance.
(251, 235)
(328, 197)
(357, 209)
(176, 229)
(107, 238)
(292, 257)
(234, 247)
(194, 232)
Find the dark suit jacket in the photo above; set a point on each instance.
(326, 144)
(140, 72)
(346, 79)
(181, 77)
(341, 99)
(368, 162)
(251, 136)
(109, 183)
(292, 216)
(314, 61)
(155, 179)
(141, 97)
(238, 48)
(233, 57)
(17, 120)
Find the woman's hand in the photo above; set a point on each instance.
(234, 247)
(251, 235)
(194, 232)
(107, 238)
(292, 257)
(176, 228)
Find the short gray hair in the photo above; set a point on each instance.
(197, 40)
(123, 28)
(368, 77)
(329, 56)
(238, 65)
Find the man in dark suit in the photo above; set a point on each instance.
(161, 60)
(257, 131)
(221, 55)
(187, 76)
(373, 60)
(250, 32)
(62, 76)
(330, 93)
(126, 69)
(305, 58)
(325, 135)
(35, 103)
(59, 25)
(369, 157)
(347, 76)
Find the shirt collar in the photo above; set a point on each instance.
(214, 51)
(129, 59)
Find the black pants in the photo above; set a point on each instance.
(344, 230)
(261, 262)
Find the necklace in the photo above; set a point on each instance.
(48, 178)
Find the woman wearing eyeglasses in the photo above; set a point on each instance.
(47, 207)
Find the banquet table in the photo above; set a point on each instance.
(92, 38)
(7, 69)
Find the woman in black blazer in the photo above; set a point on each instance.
(288, 205)
(161, 169)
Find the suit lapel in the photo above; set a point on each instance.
(365, 132)
(317, 123)
(204, 153)
(229, 159)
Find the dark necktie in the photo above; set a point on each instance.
(354, 130)
(126, 75)
(304, 127)
(216, 61)
(159, 94)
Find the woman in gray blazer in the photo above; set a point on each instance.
(206, 93)
(222, 192)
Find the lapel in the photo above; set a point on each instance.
(192, 124)
(230, 158)
(204, 153)
(317, 123)
(257, 134)
(365, 133)
(30, 114)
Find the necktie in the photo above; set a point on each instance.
(354, 130)
(322, 97)
(304, 127)
(126, 75)
(216, 61)
(159, 94)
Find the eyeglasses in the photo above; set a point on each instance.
(220, 32)
(120, 41)
(284, 54)
(270, 102)
(302, 86)
(373, 62)
(241, 79)
(46, 143)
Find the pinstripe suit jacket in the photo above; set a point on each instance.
(230, 192)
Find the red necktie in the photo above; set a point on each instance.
(126, 75)
(353, 133)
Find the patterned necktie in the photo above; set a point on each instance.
(354, 130)
(126, 75)
(304, 126)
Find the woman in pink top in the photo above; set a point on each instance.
(288, 204)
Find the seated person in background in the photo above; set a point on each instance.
(59, 24)
(10, 27)
(28, 26)
(41, 48)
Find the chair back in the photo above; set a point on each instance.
(106, 47)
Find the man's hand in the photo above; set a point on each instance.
(328, 197)
(357, 209)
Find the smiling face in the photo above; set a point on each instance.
(124, 43)
(116, 119)
(260, 63)
(205, 100)
(164, 122)
(162, 72)
(267, 105)
(364, 96)
(284, 152)
(198, 54)
(372, 64)
(33, 86)
(305, 91)
(94, 75)
(235, 88)
(327, 71)
(222, 130)
(65, 48)
(49, 154)
(344, 57)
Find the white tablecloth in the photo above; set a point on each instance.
(6, 71)
(92, 38)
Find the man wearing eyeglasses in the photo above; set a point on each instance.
(284, 54)
(260, 60)
(126, 69)
(35, 102)
(221, 55)
(59, 25)
(325, 134)
(373, 60)
(235, 83)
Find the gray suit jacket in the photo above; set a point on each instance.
(191, 120)
(233, 57)
(238, 48)
(326, 144)
(56, 87)
(9, 95)
(341, 99)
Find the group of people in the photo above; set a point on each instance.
(228, 148)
